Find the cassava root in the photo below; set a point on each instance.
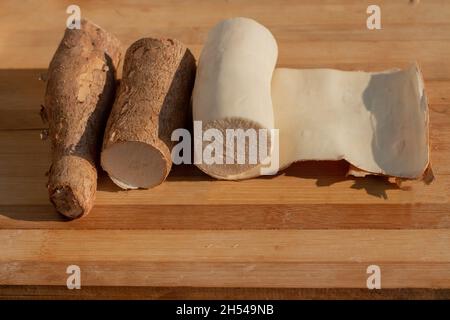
(79, 94)
(153, 100)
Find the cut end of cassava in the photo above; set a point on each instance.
(227, 165)
(133, 164)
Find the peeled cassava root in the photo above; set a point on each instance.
(232, 90)
(79, 94)
(377, 121)
(153, 100)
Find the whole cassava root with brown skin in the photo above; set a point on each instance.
(80, 92)
(153, 100)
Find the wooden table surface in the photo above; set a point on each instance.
(306, 233)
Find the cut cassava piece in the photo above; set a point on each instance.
(233, 91)
(79, 95)
(152, 101)
(377, 121)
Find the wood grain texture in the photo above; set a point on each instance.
(206, 293)
(308, 259)
(306, 233)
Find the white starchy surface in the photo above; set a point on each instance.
(139, 165)
(377, 121)
(234, 77)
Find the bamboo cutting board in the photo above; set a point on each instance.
(307, 232)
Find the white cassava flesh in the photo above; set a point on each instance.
(377, 121)
(233, 83)
(137, 164)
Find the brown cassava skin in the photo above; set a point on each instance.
(79, 95)
(153, 98)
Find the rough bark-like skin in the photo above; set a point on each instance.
(154, 96)
(79, 95)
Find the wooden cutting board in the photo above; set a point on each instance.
(307, 232)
